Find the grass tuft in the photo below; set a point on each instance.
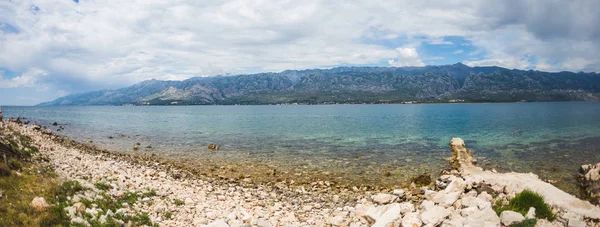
(102, 186)
(523, 201)
(525, 223)
(178, 202)
(168, 214)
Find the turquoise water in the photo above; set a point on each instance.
(357, 143)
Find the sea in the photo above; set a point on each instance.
(361, 145)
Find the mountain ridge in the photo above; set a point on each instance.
(354, 85)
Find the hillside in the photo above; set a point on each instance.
(354, 85)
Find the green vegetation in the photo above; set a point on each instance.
(150, 193)
(102, 186)
(525, 223)
(19, 191)
(168, 214)
(37, 179)
(523, 201)
(178, 202)
(33, 180)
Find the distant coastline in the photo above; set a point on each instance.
(354, 85)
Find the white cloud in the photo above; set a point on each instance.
(406, 57)
(439, 41)
(28, 79)
(458, 52)
(113, 43)
(510, 63)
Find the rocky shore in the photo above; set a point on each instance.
(167, 196)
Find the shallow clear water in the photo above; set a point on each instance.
(370, 144)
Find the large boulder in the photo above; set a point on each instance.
(589, 178)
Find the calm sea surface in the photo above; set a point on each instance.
(356, 144)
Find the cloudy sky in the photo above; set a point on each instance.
(51, 48)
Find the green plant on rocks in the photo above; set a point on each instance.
(102, 186)
(525, 223)
(178, 202)
(168, 214)
(523, 201)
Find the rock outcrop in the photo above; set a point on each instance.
(512, 183)
(589, 178)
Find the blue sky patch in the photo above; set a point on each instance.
(8, 74)
(8, 28)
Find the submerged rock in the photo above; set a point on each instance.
(422, 180)
(213, 147)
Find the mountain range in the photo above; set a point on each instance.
(354, 85)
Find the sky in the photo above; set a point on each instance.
(52, 48)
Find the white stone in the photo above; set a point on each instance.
(446, 199)
(406, 207)
(218, 223)
(485, 196)
(383, 198)
(91, 211)
(457, 142)
(39, 203)
(337, 220)
(509, 217)
(307, 208)
(434, 215)
(454, 220)
(426, 204)
(80, 220)
(71, 211)
(484, 218)
(457, 185)
(466, 212)
(399, 192)
(382, 216)
(102, 219)
(530, 213)
(576, 223)
(262, 223)
(411, 220)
